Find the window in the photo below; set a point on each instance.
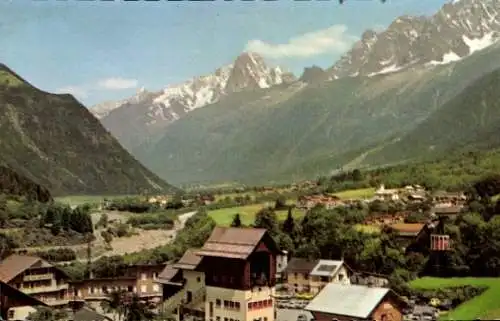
(211, 308)
(144, 288)
(11, 314)
(155, 275)
(231, 305)
(189, 296)
(226, 303)
(249, 305)
(265, 318)
(306, 276)
(144, 276)
(217, 318)
(198, 279)
(237, 305)
(217, 302)
(156, 288)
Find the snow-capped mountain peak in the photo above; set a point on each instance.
(249, 71)
(457, 30)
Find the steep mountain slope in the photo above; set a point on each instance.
(470, 120)
(55, 141)
(144, 116)
(457, 30)
(11, 183)
(271, 136)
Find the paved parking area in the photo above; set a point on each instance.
(292, 315)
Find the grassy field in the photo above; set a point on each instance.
(369, 229)
(356, 193)
(87, 199)
(485, 306)
(224, 216)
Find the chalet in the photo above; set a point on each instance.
(140, 279)
(37, 278)
(356, 302)
(384, 194)
(450, 211)
(329, 202)
(14, 304)
(449, 197)
(305, 276)
(235, 278)
(380, 219)
(297, 274)
(328, 271)
(161, 200)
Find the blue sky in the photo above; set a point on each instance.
(106, 50)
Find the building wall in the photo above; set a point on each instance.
(387, 307)
(97, 288)
(299, 281)
(239, 305)
(314, 284)
(195, 284)
(147, 278)
(20, 313)
(46, 284)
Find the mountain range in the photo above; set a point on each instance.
(53, 141)
(139, 118)
(392, 91)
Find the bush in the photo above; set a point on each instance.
(57, 255)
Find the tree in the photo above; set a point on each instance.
(107, 237)
(356, 175)
(289, 223)
(266, 218)
(236, 220)
(280, 203)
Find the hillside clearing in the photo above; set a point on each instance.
(359, 193)
(224, 216)
(485, 305)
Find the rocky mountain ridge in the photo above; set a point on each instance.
(457, 30)
(54, 141)
(148, 112)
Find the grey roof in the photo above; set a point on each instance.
(348, 300)
(86, 314)
(326, 268)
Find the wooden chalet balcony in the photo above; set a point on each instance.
(44, 289)
(55, 302)
(38, 277)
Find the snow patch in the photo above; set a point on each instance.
(478, 44)
(447, 58)
(387, 70)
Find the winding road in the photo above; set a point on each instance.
(145, 240)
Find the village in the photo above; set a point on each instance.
(241, 274)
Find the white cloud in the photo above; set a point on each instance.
(117, 83)
(76, 91)
(334, 39)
